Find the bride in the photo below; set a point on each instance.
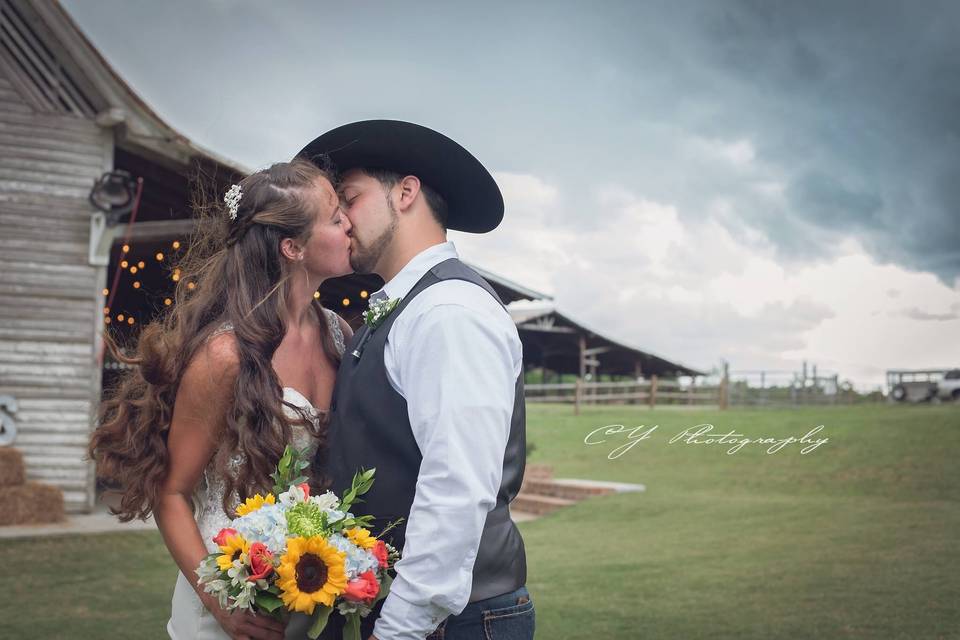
(239, 368)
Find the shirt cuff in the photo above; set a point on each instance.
(402, 620)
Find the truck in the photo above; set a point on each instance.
(924, 385)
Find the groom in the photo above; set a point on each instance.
(432, 394)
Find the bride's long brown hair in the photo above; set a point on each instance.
(240, 277)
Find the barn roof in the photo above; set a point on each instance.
(551, 338)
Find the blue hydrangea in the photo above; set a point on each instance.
(268, 525)
(358, 560)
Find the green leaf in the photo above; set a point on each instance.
(267, 601)
(384, 588)
(320, 616)
(351, 629)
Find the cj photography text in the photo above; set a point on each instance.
(624, 438)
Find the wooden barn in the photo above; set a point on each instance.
(66, 119)
(68, 268)
(95, 192)
(554, 341)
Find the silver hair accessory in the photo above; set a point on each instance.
(233, 200)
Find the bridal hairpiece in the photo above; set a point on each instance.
(232, 199)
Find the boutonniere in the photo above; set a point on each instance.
(378, 312)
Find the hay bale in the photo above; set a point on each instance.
(12, 471)
(31, 503)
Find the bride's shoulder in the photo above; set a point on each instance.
(216, 361)
(334, 317)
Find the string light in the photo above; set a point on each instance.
(136, 284)
(106, 320)
(124, 264)
(316, 295)
(176, 277)
(159, 257)
(125, 248)
(167, 302)
(120, 317)
(130, 320)
(106, 311)
(364, 294)
(346, 302)
(191, 285)
(176, 244)
(141, 264)
(133, 269)
(106, 292)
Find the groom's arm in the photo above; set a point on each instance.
(456, 364)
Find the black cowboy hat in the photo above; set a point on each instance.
(473, 198)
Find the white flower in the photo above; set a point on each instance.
(346, 607)
(232, 200)
(215, 586)
(244, 599)
(238, 574)
(326, 501)
(335, 516)
(292, 496)
(207, 569)
(378, 311)
(219, 589)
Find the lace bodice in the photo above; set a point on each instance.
(208, 498)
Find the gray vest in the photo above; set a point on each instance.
(369, 427)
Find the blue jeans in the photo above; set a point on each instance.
(505, 617)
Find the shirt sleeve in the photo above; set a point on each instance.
(456, 365)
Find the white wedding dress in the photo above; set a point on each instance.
(189, 619)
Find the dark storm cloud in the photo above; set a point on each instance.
(852, 109)
(859, 104)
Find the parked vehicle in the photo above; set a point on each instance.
(912, 385)
(949, 387)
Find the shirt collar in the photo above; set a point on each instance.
(411, 273)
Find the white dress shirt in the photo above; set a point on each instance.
(454, 354)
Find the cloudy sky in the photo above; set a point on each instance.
(761, 182)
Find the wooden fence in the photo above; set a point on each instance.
(655, 392)
(651, 392)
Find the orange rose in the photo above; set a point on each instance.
(221, 538)
(261, 562)
(380, 551)
(306, 489)
(363, 589)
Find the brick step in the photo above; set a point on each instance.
(538, 472)
(567, 489)
(538, 505)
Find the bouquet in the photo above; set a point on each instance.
(290, 551)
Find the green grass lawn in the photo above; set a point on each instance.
(857, 539)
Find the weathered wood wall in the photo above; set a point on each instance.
(50, 297)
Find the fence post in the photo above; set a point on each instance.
(725, 386)
(690, 392)
(577, 391)
(653, 391)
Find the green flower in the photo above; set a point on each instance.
(307, 519)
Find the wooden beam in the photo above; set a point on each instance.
(542, 329)
(593, 351)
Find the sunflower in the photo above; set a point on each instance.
(311, 572)
(361, 537)
(254, 503)
(234, 547)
